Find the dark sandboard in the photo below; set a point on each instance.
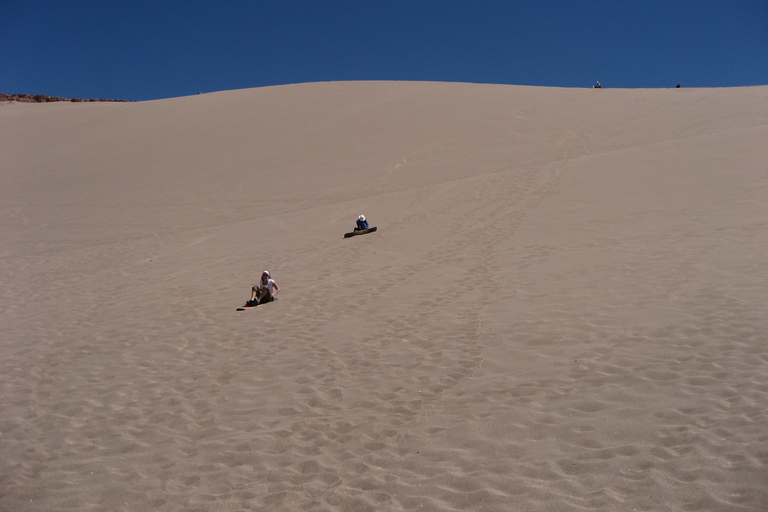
(361, 232)
(245, 308)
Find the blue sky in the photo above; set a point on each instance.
(140, 50)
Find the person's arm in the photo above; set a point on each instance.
(277, 288)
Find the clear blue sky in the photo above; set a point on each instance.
(149, 49)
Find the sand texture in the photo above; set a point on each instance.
(564, 308)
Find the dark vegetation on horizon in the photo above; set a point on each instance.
(41, 98)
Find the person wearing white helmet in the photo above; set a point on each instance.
(265, 291)
(361, 223)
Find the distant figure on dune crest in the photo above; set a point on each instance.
(263, 292)
(361, 223)
(678, 86)
(597, 86)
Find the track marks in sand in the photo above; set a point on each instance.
(353, 409)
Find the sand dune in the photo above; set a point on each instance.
(564, 307)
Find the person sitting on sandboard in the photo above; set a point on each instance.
(265, 291)
(361, 223)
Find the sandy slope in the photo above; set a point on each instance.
(564, 307)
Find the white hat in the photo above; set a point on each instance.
(266, 273)
(362, 217)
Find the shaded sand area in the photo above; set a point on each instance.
(564, 307)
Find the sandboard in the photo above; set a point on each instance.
(246, 307)
(361, 232)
